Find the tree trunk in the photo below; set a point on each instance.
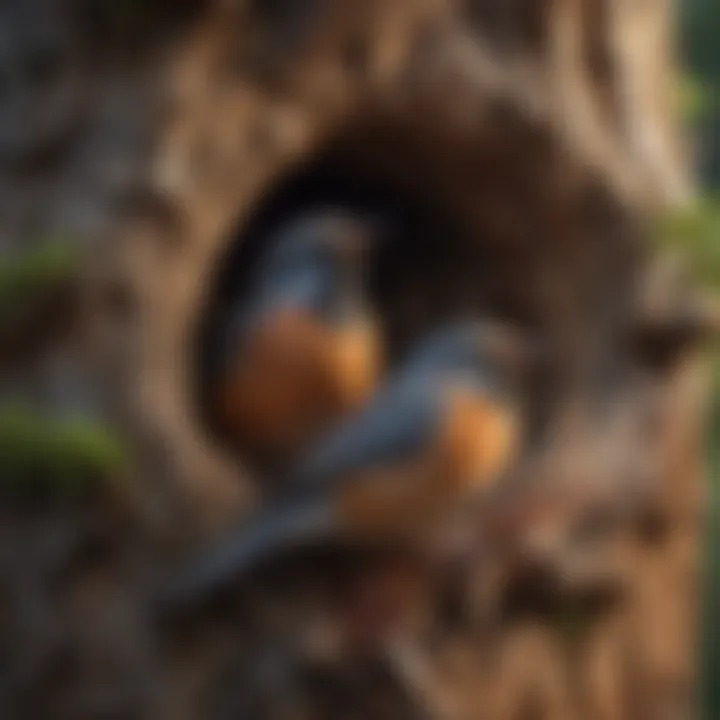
(540, 137)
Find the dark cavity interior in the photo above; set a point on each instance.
(504, 229)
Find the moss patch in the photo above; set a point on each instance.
(695, 231)
(57, 458)
(42, 270)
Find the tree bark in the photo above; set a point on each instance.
(543, 134)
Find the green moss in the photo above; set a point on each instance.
(695, 232)
(694, 98)
(55, 457)
(43, 269)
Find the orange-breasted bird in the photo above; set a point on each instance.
(446, 426)
(304, 349)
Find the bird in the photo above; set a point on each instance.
(305, 347)
(444, 427)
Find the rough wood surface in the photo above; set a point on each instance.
(538, 135)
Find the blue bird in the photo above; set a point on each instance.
(446, 426)
(304, 349)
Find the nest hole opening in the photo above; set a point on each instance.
(466, 230)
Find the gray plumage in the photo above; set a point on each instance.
(398, 424)
(405, 415)
(312, 262)
(280, 526)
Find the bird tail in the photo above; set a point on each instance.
(272, 532)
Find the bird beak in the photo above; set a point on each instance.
(357, 238)
(354, 245)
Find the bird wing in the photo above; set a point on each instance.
(274, 529)
(394, 427)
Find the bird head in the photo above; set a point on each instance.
(331, 238)
(497, 353)
(320, 261)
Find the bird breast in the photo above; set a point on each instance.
(294, 375)
(478, 440)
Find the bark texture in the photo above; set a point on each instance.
(540, 137)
